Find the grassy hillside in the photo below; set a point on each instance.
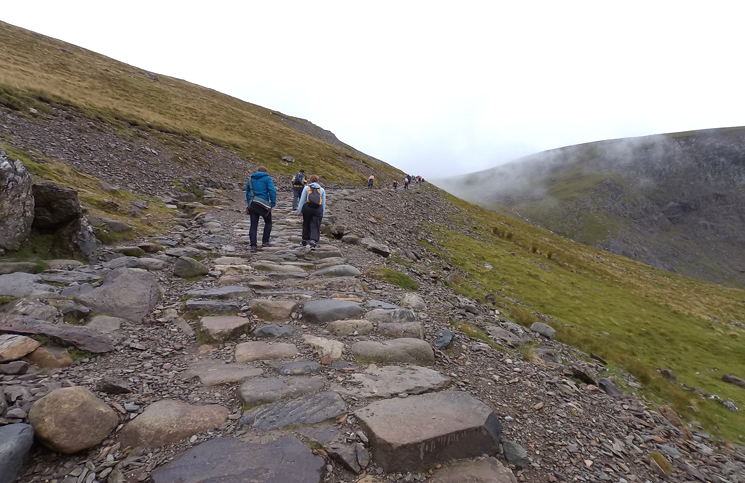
(630, 314)
(38, 68)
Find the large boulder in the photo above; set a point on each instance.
(168, 421)
(129, 293)
(71, 419)
(16, 203)
(15, 443)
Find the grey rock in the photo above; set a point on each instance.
(337, 271)
(378, 304)
(273, 331)
(733, 380)
(129, 293)
(345, 454)
(609, 388)
(409, 433)
(444, 339)
(544, 329)
(390, 381)
(81, 337)
(14, 267)
(135, 262)
(187, 267)
(300, 368)
(212, 306)
(13, 346)
(16, 203)
(322, 311)
(504, 336)
(15, 368)
(226, 327)
(343, 328)
(413, 301)
(110, 326)
(69, 276)
(22, 285)
(262, 351)
(413, 351)
(267, 390)
(351, 239)
(375, 247)
(185, 252)
(515, 454)
(395, 315)
(228, 292)
(214, 373)
(310, 410)
(285, 460)
(486, 470)
(112, 385)
(401, 329)
(15, 443)
(276, 310)
(115, 225)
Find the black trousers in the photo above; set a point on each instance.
(296, 192)
(253, 230)
(312, 223)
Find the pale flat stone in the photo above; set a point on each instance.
(343, 328)
(262, 351)
(167, 421)
(486, 470)
(277, 310)
(401, 329)
(14, 347)
(388, 316)
(413, 301)
(409, 433)
(214, 373)
(413, 351)
(230, 261)
(50, 357)
(274, 267)
(389, 381)
(267, 390)
(337, 271)
(325, 347)
(222, 328)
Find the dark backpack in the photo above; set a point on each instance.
(298, 179)
(314, 197)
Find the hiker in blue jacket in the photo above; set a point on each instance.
(261, 197)
(312, 205)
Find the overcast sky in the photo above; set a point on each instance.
(436, 88)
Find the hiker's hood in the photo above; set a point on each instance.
(314, 185)
(259, 175)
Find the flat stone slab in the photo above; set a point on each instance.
(185, 252)
(15, 443)
(228, 460)
(215, 373)
(129, 293)
(409, 433)
(343, 328)
(379, 304)
(268, 390)
(300, 368)
(69, 276)
(337, 271)
(308, 410)
(391, 381)
(135, 262)
(272, 331)
(394, 315)
(230, 261)
(322, 311)
(22, 285)
(487, 470)
(81, 337)
(275, 267)
(228, 292)
(412, 351)
(276, 310)
(401, 329)
(505, 336)
(226, 327)
(263, 351)
(325, 347)
(212, 306)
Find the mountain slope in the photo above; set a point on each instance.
(40, 71)
(672, 201)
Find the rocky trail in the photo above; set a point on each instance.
(198, 361)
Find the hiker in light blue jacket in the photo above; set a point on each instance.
(312, 206)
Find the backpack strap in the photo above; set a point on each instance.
(251, 188)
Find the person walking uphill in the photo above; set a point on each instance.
(312, 205)
(261, 197)
(370, 181)
(298, 183)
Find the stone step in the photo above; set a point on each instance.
(390, 381)
(264, 351)
(417, 431)
(260, 391)
(214, 373)
(325, 310)
(308, 410)
(223, 328)
(407, 350)
(227, 292)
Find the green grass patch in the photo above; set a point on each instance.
(393, 277)
(76, 354)
(4, 300)
(475, 332)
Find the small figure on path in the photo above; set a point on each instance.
(395, 184)
(298, 183)
(312, 205)
(406, 183)
(370, 181)
(261, 197)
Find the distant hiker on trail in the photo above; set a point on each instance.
(395, 184)
(370, 181)
(312, 205)
(261, 197)
(298, 183)
(406, 183)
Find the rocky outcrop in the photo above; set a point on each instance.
(16, 203)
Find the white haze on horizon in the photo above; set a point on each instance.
(432, 88)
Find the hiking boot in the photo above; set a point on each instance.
(312, 246)
(254, 249)
(266, 245)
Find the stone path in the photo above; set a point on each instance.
(290, 364)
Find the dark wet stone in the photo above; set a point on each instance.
(272, 331)
(310, 410)
(229, 460)
(212, 306)
(111, 385)
(444, 339)
(322, 311)
(300, 368)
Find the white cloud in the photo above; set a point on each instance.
(435, 87)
